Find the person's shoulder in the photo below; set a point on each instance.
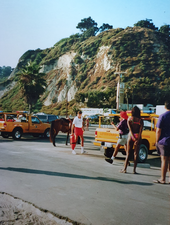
(75, 118)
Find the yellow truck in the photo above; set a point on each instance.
(106, 136)
(17, 124)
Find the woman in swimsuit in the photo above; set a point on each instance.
(135, 124)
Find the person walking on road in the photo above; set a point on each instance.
(78, 129)
(123, 134)
(135, 124)
(163, 142)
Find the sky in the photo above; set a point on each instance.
(31, 24)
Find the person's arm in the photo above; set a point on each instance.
(114, 126)
(130, 128)
(140, 130)
(158, 134)
(83, 125)
(72, 128)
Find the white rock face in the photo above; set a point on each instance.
(71, 92)
(3, 89)
(63, 63)
(104, 62)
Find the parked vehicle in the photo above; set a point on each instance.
(46, 118)
(107, 136)
(17, 124)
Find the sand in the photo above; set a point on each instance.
(14, 211)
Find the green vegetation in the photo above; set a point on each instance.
(143, 51)
(32, 83)
(5, 71)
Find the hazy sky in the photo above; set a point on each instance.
(32, 24)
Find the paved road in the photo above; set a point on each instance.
(83, 188)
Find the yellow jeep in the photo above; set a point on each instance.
(106, 136)
(16, 124)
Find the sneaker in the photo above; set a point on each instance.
(112, 157)
(109, 160)
(83, 152)
(73, 152)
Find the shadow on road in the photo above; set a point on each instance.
(69, 175)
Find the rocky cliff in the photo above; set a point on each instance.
(77, 68)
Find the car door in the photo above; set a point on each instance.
(35, 126)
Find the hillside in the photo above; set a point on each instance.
(86, 69)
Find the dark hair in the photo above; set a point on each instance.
(79, 112)
(136, 112)
(167, 104)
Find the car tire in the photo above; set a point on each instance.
(4, 135)
(47, 133)
(17, 133)
(143, 153)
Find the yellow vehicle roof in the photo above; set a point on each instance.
(142, 115)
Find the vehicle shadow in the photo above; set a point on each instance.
(75, 176)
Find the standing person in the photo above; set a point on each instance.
(163, 142)
(135, 124)
(78, 129)
(123, 134)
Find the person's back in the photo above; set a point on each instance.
(164, 123)
(135, 124)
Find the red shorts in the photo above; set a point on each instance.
(78, 131)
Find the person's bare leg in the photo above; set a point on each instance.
(129, 146)
(164, 166)
(169, 167)
(82, 140)
(116, 150)
(136, 150)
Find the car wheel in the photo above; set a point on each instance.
(143, 153)
(4, 135)
(17, 134)
(47, 133)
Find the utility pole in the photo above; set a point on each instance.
(66, 98)
(120, 88)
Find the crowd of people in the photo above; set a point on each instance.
(130, 133)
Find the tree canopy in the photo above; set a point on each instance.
(89, 27)
(32, 83)
(146, 23)
(105, 26)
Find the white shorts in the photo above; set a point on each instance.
(123, 139)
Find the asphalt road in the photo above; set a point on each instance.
(83, 188)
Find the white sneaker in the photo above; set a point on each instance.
(73, 152)
(112, 157)
(82, 150)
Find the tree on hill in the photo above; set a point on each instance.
(88, 26)
(146, 23)
(105, 26)
(32, 83)
(165, 30)
(5, 71)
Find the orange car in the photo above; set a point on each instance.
(16, 124)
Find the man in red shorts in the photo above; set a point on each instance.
(78, 129)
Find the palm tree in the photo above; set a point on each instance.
(32, 83)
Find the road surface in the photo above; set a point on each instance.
(83, 188)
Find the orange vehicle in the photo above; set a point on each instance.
(17, 124)
(106, 136)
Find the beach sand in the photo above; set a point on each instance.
(14, 211)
